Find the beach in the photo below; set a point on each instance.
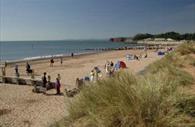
(19, 106)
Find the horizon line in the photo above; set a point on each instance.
(56, 40)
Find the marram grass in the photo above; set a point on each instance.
(154, 99)
(129, 101)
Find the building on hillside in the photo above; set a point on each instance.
(159, 39)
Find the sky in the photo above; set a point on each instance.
(92, 19)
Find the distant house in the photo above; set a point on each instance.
(149, 39)
(169, 39)
(159, 39)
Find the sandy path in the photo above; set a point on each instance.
(19, 107)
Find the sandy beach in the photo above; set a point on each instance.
(20, 107)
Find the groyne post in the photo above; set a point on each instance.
(3, 71)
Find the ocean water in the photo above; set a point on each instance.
(19, 50)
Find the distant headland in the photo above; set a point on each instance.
(168, 36)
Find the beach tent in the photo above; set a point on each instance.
(120, 64)
(123, 65)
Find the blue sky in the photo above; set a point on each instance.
(92, 19)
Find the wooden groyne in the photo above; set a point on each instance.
(23, 81)
(128, 48)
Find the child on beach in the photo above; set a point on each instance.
(109, 66)
(92, 75)
(59, 77)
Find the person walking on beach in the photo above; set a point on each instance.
(57, 85)
(51, 62)
(28, 68)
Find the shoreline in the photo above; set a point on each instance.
(44, 58)
(88, 52)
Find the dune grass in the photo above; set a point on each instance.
(126, 100)
(186, 48)
(171, 65)
(154, 99)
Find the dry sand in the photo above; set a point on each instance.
(19, 107)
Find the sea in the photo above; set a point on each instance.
(28, 50)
